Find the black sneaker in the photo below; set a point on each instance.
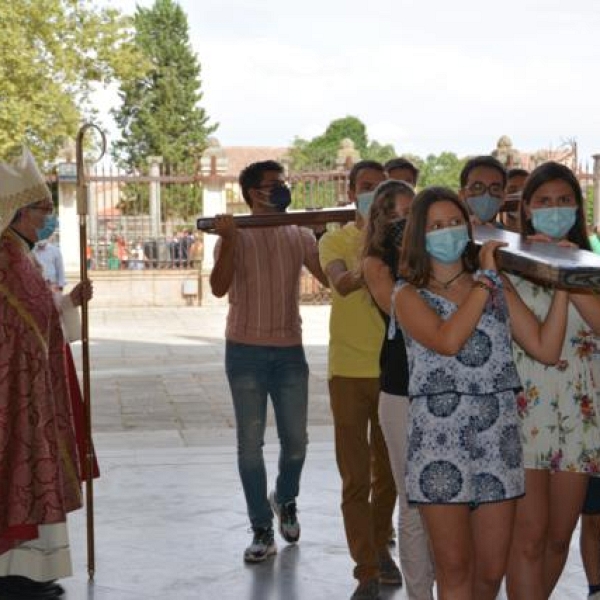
(262, 546)
(389, 573)
(367, 590)
(289, 528)
(392, 538)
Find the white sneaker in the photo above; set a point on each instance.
(262, 546)
(289, 528)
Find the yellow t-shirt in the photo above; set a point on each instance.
(356, 328)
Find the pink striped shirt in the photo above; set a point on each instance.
(263, 297)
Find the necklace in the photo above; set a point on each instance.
(446, 284)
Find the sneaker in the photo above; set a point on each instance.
(389, 573)
(262, 546)
(392, 538)
(289, 528)
(367, 590)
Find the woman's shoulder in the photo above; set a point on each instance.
(373, 263)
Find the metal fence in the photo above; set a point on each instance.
(126, 233)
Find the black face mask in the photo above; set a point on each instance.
(394, 233)
(280, 197)
(392, 242)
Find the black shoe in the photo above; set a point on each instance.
(24, 588)
(389, 573)
(367, 590)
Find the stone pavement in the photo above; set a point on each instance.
(169, 510)
(158, 374)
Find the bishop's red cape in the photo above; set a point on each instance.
(39, 472)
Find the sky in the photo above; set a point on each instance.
(424, 75)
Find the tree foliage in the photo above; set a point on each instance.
(379, 152)
(52, 53)
(321, 151)
(589, 202)
(160, 114)
(443, 169)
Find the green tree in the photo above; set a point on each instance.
(320, 153)
(160, 114)
(443, 169)
(379, 152)
(52, 53)
(589, 201)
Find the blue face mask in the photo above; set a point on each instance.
(484, 207)
(48, 228)
(555, 222)
(363, 203)
(280, 197)
(447, 245)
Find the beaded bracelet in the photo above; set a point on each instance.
(483, 279)
(484, 286)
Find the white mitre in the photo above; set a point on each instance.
(21, 183)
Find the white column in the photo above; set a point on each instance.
(69, 228)
(596, 180)
(213, 166)
(214, 202)
(155, 213)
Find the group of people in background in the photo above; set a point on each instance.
(182, 251)
(469, 394)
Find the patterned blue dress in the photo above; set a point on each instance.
(464, 433)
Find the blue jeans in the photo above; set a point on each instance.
(255, 372)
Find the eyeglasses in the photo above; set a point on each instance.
(478, 188)
(271, 186)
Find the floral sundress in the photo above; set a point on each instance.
(559, 407)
